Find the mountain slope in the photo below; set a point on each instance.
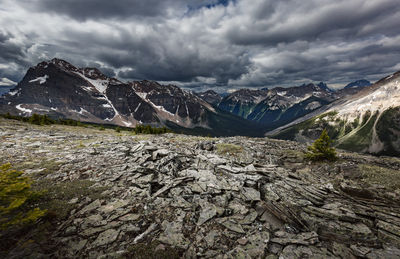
(358, 83)
(275, 107)
(211, 97)
(62, 90)
(368, 121)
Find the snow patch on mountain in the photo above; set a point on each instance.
(158, 107)
(313, 105)
(127, 124)
(381, 99)
(12, 93)
(23, 109)
(137, 108)
(41, 79)
(281, 93)
(100, 84)
(142, 95)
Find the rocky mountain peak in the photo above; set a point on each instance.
(324, 86)
(93, 73)
(211, 97)
(63, 64)
(358, 83)
(387, 79)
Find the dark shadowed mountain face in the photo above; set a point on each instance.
(177, 105)
(60, 89)
(211, 97)
(324, 86)
(63, 90)
(358, 83)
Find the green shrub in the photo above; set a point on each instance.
(35, 119)
(118, 129)
(321, 149)
(15, 194)
(228, 149)
(142, 129)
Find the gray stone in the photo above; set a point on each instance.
(129, 228)
(257, 244)
(249, 218)
(113, 206)
(210, 238)
(233, 226)
(92, 206)
(76, 246)
(309, 238)
(106, 238)
(250, 194)
(70, 230)
(73, 201)
(93, 221)
(91, 231)
(172, 235)
(130, 217)
(208, 212)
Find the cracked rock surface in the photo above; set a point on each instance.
(263, 201)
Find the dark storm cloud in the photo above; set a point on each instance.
(231, 44)
(10, 51)
(286, 21)
(121, 9)
(169, 67)
(83, 10)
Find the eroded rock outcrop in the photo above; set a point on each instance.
(184, 193)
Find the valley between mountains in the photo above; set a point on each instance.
(120, 195)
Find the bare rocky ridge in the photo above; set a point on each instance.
(231, 197)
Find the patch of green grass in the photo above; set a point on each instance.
(81, 145)
(361, 139)
(228, 149)
(293, 154)
(388, 130)
(57, 195)
(373, 174)
(47, 166)
(320, 121)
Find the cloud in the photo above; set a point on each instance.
(200, 44)
(5, 82)
(121, 9)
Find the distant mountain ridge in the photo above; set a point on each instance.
(368, 121)
(358, 83)
(277, 106)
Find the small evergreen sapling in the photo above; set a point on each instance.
(321, 149)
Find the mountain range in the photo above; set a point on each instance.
(368, 121)
(61, 90)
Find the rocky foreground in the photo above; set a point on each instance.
(183, 196)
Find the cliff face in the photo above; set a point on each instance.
(201, 197)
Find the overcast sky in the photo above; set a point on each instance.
(203, 44)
